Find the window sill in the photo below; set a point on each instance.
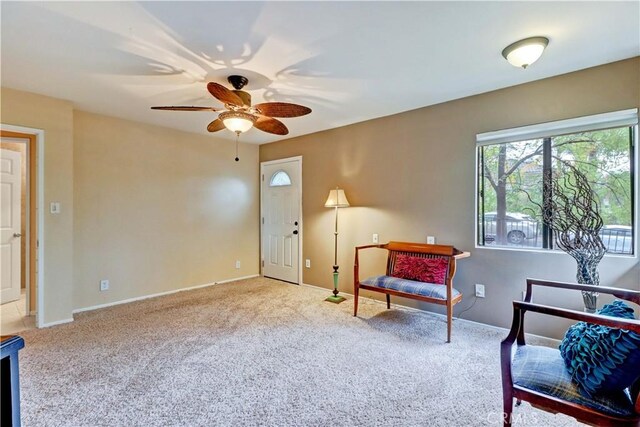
(547, 251)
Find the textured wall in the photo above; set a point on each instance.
(55, 117)
(158, 209)
(413, 174)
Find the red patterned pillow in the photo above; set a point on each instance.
(428, 270)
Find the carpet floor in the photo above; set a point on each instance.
(260, 352)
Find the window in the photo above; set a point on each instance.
(279, 179)
(511, 189)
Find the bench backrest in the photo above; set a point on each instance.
(421, 250)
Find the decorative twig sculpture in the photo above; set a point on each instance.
(570, 209)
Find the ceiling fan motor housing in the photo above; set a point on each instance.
(238, 82)
(246, 98)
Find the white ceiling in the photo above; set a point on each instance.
(348, 61)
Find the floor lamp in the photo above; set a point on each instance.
(336, 199)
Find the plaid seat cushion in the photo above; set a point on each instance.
(409, 286)
(542, 369)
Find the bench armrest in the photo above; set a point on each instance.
(612, 322)
(628, 295)
(356, 273)
(370, 246)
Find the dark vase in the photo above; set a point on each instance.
(588, 275)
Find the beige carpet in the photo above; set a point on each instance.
(263, 353)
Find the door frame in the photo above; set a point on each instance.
(35, 212)
(300, 228)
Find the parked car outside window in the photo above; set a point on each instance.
(518, 227)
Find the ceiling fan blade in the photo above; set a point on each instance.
(223, 94)
(282, 109)
(271, 125)
(215, 126)
(184, 108)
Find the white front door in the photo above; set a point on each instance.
(281, 196)
(10, 225)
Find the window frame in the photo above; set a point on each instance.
(624, 118)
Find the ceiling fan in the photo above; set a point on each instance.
(238, 115)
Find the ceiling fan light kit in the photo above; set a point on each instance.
(526, 51)
(239, 115)
(237, 121)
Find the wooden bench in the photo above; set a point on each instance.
(437, 293)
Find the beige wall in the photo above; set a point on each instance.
(151, 209)
(158, 209)
(55, 117)
(413, 174)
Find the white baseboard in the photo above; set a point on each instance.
(56, 322)
(143, 297)
(486, 325)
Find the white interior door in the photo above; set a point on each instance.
(281, 196)
(10, 225)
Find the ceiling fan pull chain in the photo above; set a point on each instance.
(237, 138)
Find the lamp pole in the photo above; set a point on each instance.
(337, 199)
(335, 258)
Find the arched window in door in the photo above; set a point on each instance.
(279, 179)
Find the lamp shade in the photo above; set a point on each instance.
(525, 52)
(337, 199)
(237, 121)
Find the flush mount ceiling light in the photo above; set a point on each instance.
(525, 52)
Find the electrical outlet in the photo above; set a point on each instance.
(376, 238)
(237, 264)
(307, 263)
(479, 290)
(104, 285)
(54, 207)
(431, 240)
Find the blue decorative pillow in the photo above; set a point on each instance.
(600, 358)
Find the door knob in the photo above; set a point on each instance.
(295, 231)
(17, 235)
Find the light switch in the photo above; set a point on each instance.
(55, 207)
(375, 238)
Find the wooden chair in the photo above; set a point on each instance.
(536, 374)
(442, 294)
